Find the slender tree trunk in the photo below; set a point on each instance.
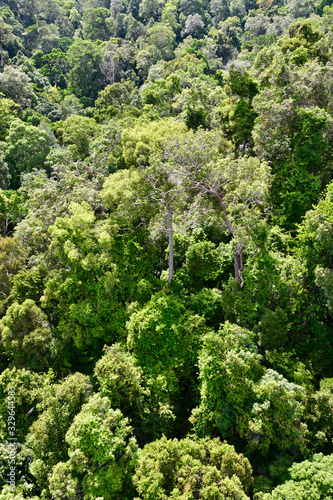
(243, 148)
(1, 54)
(239, 264)
(170, 233)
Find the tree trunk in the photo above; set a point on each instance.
(239, 264)
(170, 233)
(243, 148)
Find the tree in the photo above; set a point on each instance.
(113, 100)
(160, 93)
(102, 453)
(163, 38)
(49, 197)
(6, 37)
(229, 367)
(276, 416)
(8, 112)
(150, 9)
(55, 65)
(310, 480)
(194, 26)
(118, 61)
(175, 334)
(318, 417)
(84, 288)
(195, 105)
(163, 190)
(26, 148)
(12, 259)
(294, 123)
(46, 438)
(274, 329)
(120, 379)
(176, 331)
(192, 468)
(239, 188)
(314, 235)
(4, 179)
(138, 397)
(237, 114)
(29, 388)
(20, 392)
(26, 335)
(16, 85)
(85, 77)
(98, 24)
(314, 251)
(77, 132)
(140, 141)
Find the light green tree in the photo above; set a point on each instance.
(12, 259)
(144, 400)
(102, 454)
(276, 416)
(309, 480)
(8, 112)
(77, 132)
(26, 335)
(192, 468)
(140, 141)
(61, 402)
(87, 295)
(229, 368)
(6, 37)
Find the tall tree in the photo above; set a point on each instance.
(237, 188)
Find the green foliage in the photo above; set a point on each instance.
(17, 86)
(113, 100)
(29, 388)
(77, 132)
(309, 479)
(318, 417)
(98, 24)
(85, 77)
(274, 329)
(276, 415)
(147, 138)
(26, 336)
(144, 400)
(8, 112)
(173, 331)
(190, 468)
(26, 148)
(202, 262)
(208, 303)
(46, 438)
(229, 365)
(120, 379)
(142, 140)
(12, 259)
(102, 452)
(87, 315)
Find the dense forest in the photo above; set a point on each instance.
(166, 249)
